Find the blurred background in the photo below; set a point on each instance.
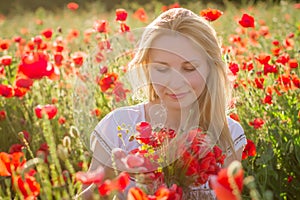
(8, 7)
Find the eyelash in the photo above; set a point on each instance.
(162, 69)
(190, 69)
(165, 69)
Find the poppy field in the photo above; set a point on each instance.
(62, 72)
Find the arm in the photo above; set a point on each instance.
(99, 154)
(231, 158)
(239, 141)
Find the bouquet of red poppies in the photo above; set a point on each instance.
(165, 164)
(183, 159)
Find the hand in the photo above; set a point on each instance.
(131, 163)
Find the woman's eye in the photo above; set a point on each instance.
(162, 69)
(189, 68)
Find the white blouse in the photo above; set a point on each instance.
(123, 120)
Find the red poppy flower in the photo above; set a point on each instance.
(119, 92)
(234, 68)
(164, 8)
(288, 43)
(104, 45)
(259, 82)
(58, 48)
(61, 120)
(17, 39)
(72, 6)
(27, 185)
(296, 80)
(2, 72)
(103, 70)
(257, 123)
(293, 63)
(283, 59)
(246, 21)
(35, 65)
(172, 193)
(4, 44)
(15, 148)
(133, 161)
(174, 5)
(58, 58)
(6, 91)
(211, 14)
(2, 115)
(99, 57)
(48, 109)
(223, 187)
(284, 80)
(175, 192)
(136, 193)
(47, 33)
(117, 184)
(290, 178)
(144, 129)
(234, 116)
(202, 161)
(37, 40)
(162, 193)
(4, 171)
(20, 92)
(11, 162)
(6, 60)
(78, 58)
(124, 28)
(264, 31)
(107, 81)
(96, 112)
(141, 15)
(263, 58)
(96, 176)
(297, 5)
(121, 14)
(24, 83)
(101, 26)
(270, 69)
(276, 51)
(250, 150)
(268, 99)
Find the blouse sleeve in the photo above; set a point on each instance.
(113, 131)
(237, 133)
(104, 134)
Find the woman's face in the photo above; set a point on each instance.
(178, 70)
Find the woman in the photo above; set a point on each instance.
(180, 65)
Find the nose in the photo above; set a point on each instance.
(175, 80)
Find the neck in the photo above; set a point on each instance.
(173, 118)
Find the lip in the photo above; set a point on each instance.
(177, 95)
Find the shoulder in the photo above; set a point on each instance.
(119, 121)
(126, 114)
(234, 126)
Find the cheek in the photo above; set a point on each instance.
(197, 82)
(158, 88)
(158, 78)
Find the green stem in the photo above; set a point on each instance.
(55, 166)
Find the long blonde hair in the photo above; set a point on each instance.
(213, 100)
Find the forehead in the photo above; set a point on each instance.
(164, 46)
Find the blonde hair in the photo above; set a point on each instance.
(213, 100)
